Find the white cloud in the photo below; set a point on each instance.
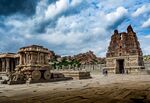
(145, 8)
(144, 41)
(111, 4)
(117, 15)
(147, 36)
(146, 24)
(80, 34)
(74, 3)
(89, 29)
(59, 7)
(15, 23)
(55, 9)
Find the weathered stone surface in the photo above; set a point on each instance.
(88, 58)
(30, 64)
(76, 74)
(124, 53)
(8, 62)
(33, 62)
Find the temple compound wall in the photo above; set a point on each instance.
(124, 54)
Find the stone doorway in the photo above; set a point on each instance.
(120, 66)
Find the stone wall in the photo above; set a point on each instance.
(96, 69)
(147, 65)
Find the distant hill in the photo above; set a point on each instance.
(88, 58)
(83, 58)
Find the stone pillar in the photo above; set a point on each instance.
(0, 65)
(42, 58)
(12, 66)
(38, 59)
(20, 62)
(18, 59)
(31, 56)
(3, 65)
(7, 65)
(27, 58)
(39, 55)
(34, 58)
(45, 59)
(43, 62)
(24, 58)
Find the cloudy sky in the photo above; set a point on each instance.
(71, 26)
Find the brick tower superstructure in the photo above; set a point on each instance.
(124, 53)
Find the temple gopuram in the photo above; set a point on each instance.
(124, 54)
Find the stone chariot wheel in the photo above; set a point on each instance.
(47, 75)
(36, 75)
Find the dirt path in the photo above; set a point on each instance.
(112, 89)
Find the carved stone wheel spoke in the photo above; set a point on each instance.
(47, 75)
(36, 75)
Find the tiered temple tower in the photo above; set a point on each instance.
(124, 53)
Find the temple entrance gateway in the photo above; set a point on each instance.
(120, 66)
(124, 52)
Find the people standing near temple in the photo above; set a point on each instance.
(105, 72)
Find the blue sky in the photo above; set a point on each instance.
(71, 26)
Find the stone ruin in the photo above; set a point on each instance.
(34, 63)
(124, 54)
(8, 62)
(31, 64)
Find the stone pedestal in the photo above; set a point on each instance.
(77, 74)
